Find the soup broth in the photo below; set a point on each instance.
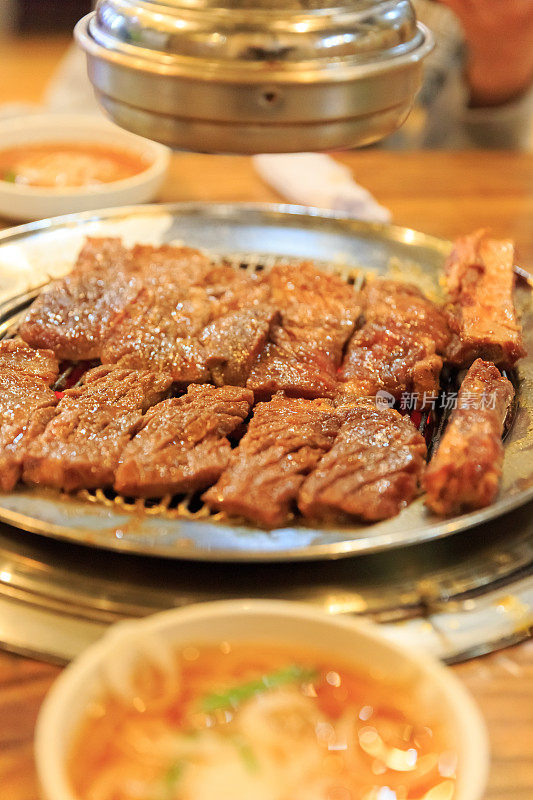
(63, 165)
(254, 722)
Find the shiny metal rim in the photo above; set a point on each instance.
(217, 71)
(274, 211)
(179, 541)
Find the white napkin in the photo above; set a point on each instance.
(315, 179)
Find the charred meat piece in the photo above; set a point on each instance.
(373, 470)
(465, 471)
(241, 322)
(170, 263)
(130, 389)
(296, 370)
(397, 349)
(182, 445)
(313, 302)
(73, 316)
(182, 268)
(244, 291)
(20, 423)
(109, 288)
(92, 424)
(318, 315)
(480, 278)
(101, 254)
(389, 358)
(385, 300)
(285, 439)
(233, 342)
(157, 332)
(231, 288)
(183, 295)
(26, 402)
(17, 356)
(158, 328)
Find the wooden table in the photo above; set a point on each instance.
(439, 193)
(27, 64)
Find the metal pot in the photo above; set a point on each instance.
(255, 76)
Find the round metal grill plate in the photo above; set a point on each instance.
(31, 254)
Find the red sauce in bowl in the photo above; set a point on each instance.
(68, 164)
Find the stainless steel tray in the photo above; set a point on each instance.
(31, 254)
(457, 597)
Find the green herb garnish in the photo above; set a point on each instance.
(172, 777)
(239, 694)
(246, 753)
(10, 176)
(165, 788)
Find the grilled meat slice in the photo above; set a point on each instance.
(391, 358)
(295, 370)
(318, 314)
(26, 401)
(182, 445)
(180, 269)
(397, 349)
(170, 264)
(233, 342)
(12, 454)
(373, 470)
(246, 290)
(187, 319)
(158, 328)
(130, 389)
(315, 302)
(479, 278)
(385, 300)
(241, 322)
(25, 406)
(285, 439)
(465, 471)
(73, 316)
(101, 254)
(76, 315)
(81, 445)
(17, 356)
(157, 332)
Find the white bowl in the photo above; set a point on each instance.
(360, 642)
(34, 202)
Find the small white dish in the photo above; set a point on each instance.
(23, 203)
(357, 641)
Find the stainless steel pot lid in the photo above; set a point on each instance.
(247, 38)
(257, 67)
